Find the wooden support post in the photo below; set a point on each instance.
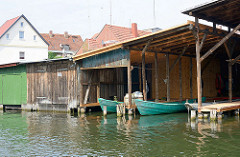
(219, 43)
(98, 91)
(88, 89)
(156, 78)
(230, 81)
(144, 71)
(129, 84)
(81, 87)
(199, 77)
(191, 87)
(140, 78)
(168, 77)
(229, 71)
(144, 77)
(180, 79)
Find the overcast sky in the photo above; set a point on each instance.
(87, 17)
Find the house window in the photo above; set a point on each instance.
(21, 55)
(21, 34)
(7, 36)
(34, 37)
(21, 24)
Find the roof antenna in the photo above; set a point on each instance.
(110, 1)
(154, 14)
(89, 19)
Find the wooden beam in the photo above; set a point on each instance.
(104, 67)
(129, 74)
(235, 60)
(199, 77)
(168, 77)
(228, 51)
(180, 79)
(144, 71)
(219, 43)
(191, 85)
(156, 78)
(178, 59)
(202, 41)
(163, 52)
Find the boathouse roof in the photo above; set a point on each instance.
(223, 12)
(172, 41)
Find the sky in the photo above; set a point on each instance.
(87, 17)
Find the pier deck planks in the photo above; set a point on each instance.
(222, 107)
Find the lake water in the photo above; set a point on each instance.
(58, 134)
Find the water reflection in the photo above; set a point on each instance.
(55, 134)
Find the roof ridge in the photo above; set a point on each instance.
(8, 24)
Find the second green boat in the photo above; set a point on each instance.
(151, 108)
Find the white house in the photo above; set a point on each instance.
(21, 42)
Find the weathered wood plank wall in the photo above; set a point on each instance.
(209, 76)
(52, 83)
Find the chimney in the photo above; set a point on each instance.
(50, 33)
(134, 30)
(66, 34)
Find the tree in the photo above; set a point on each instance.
(51, 55)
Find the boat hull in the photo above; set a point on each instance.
(152, 108)
(111, 105)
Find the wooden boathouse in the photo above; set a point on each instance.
(48, 85)
(162, 65)
(225, 13)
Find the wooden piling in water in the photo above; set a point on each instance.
(213, 115)
(193, 114)
(129, 74)
(104, 110)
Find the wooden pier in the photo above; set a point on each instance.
(222, 107)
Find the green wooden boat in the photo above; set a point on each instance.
(151, 108)
(111, 105)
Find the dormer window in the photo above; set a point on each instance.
(7, 36)
(21, 34)
(21, 24)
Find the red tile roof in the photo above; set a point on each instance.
(109, 35)
(124, 33)
(7, 25)
(74, 41)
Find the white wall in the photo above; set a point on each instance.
(35, 50)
